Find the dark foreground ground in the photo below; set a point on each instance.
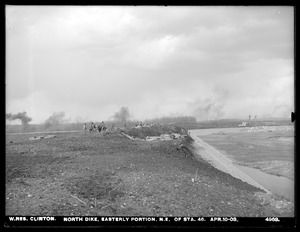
(108, 174)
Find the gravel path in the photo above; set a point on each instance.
(220, 161)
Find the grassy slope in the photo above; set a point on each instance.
(108, 174)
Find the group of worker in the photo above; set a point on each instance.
(94, 127)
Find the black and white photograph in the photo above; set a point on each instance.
(149, 113)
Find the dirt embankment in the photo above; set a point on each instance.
(109, 174)
(155, 129)
(270, 149)
(221, 162)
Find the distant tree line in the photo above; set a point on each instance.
(186, 122)
(175, 120)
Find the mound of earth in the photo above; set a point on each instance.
(106, 174)
(155, 129)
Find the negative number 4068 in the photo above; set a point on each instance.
(272, 219)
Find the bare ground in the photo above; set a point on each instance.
(108, 174)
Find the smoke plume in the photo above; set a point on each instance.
(211, 108)
(208, 110)
(122, 116)
(56, 119)
(21, 116)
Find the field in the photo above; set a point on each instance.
(109, 174)
(271, 150)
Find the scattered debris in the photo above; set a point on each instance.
(78, 199)
(36, 137)
(155, 131)
(152, 138)
(128, 136)
(50, 136)
(162, 137)
(166, 137)
(195, 179)
(176, 136)
(42, 137)
(268, 128)
(106, 206)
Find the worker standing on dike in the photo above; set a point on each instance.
(84, 128)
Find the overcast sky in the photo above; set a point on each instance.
(209, 62)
